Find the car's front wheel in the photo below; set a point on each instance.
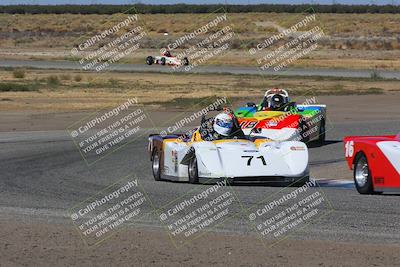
(163, 61)
(149, 60)
(185, 61)
(362, 175)
(156, 165)
(193, 170)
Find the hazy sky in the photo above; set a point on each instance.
(47, 2)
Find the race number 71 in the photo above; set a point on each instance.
(250, 158)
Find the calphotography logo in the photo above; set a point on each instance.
(102, 50)
(194, 118)
(199, 47)
(289, 210)
(105, 131)
(103, 215)
(191, 215)
(279, 51)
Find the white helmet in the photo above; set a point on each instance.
(223, 124)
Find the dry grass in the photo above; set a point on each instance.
(354, 25)
(96, 91)
(356, 31)
(361, 41)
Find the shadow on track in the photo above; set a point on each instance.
(325, 143)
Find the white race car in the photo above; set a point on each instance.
(167, 59)
(190, 158)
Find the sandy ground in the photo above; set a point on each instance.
(34, 243)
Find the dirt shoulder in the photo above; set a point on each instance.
(341, 109)
(43, 244)
(64, 91)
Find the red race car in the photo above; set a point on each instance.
(375, 161)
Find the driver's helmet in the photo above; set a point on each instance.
(167, 53)
(277, 102)
(223, 124)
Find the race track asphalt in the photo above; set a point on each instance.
(349, 73)
(43, 175)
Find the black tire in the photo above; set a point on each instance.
(185, 61)
(362, 175)
(149, 60)
(193, 170)
(163, 60)
(322, 133)
(301, 181)
(156, 165)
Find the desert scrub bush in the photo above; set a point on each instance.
(16, 87)
(19, 74)
(78, 78)
(113, 82)
(53, 80)
(65, 77)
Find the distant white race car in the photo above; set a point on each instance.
(190, 158)
(167, 59)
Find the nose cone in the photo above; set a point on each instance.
(236, 144)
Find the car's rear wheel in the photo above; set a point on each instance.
(149, 60)
(362, 175)
(193, 170)
(156, 165)
(185, 61)
(163, 60)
